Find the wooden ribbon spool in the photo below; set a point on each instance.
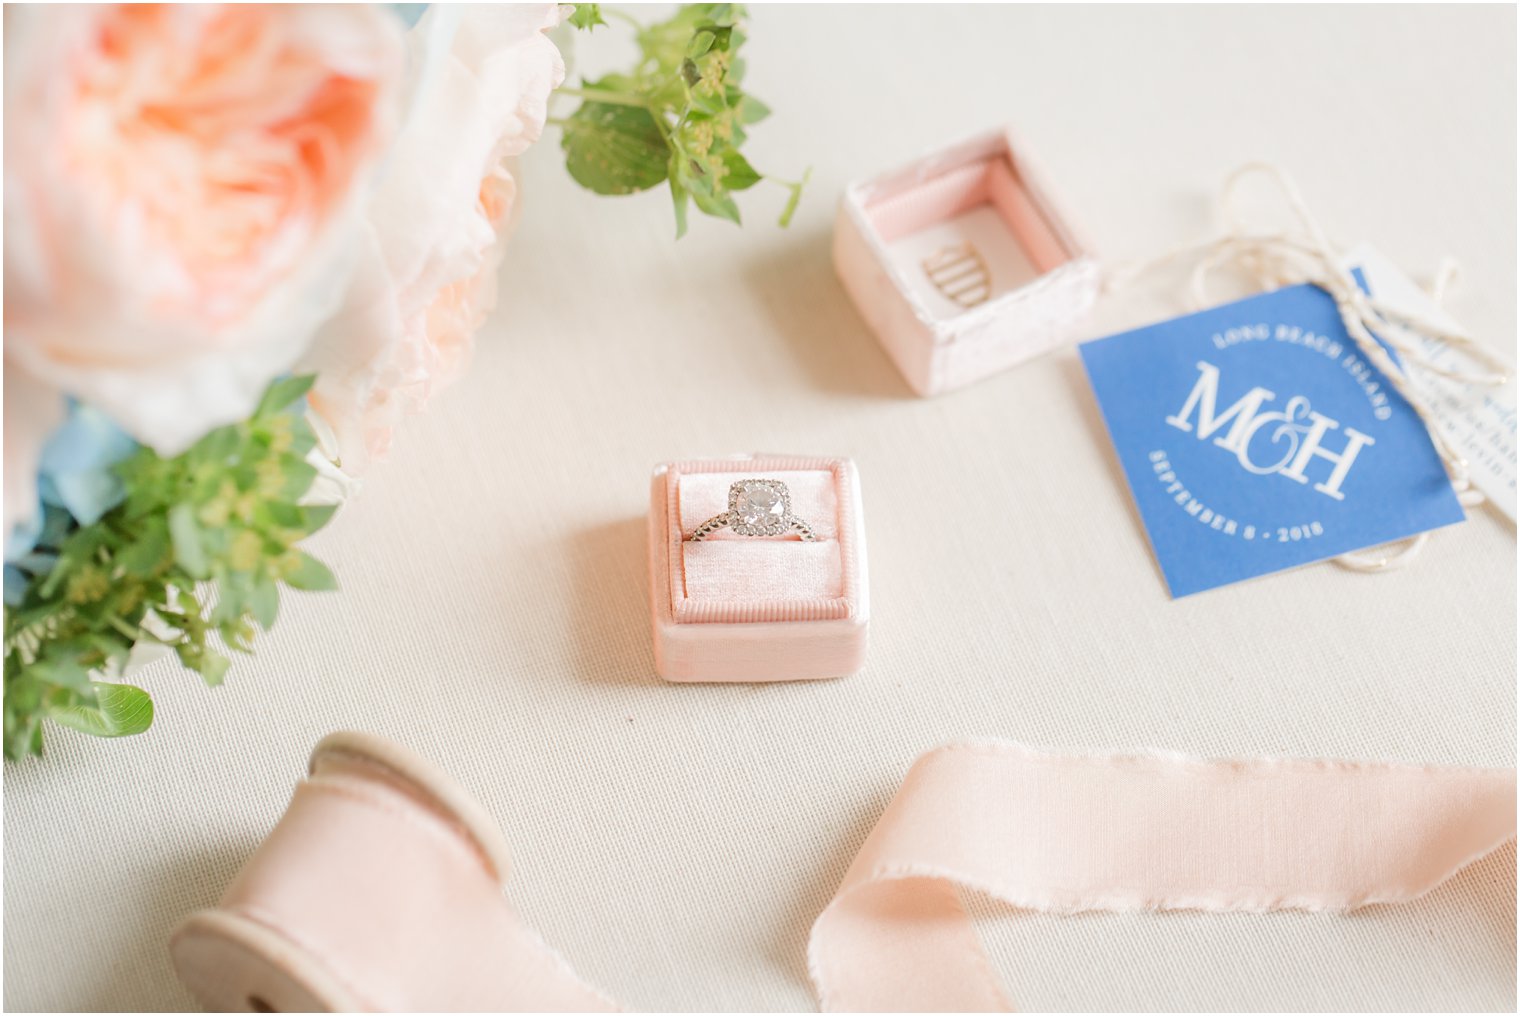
(379, 890)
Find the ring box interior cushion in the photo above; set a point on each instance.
(962, 263)
(757, 608)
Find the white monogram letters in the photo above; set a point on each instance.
(1295, 434)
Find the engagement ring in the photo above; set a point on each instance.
(960, 274)
(757, 508)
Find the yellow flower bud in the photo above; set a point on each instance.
(214, 513)
(286, 563)
(271, 478)
(87, 585)
(281, 434)
(129, 598)
(246, 550)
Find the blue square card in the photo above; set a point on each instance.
(1256, 436)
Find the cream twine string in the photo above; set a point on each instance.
(1276, 259)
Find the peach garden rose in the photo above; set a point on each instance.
(437, 223)
(181, 189)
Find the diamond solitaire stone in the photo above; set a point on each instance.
(759, 504)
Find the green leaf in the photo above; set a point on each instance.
(149, 552)
(680, 195)
(701, 44)
(664, 43)
(264, 602)
(741, 175)
(586, 16)
(311, 575)
(298, 474)
(614, 149)
(213, 667)
(723, 37)
(238, 634)
(316, 516)
(65, 673)
(23, 736)
(752, 110)
(715, 202)
(280, 394)
(119, 710)
(794, 198)
(283, 514)
(232, 592)
(23, 733)
(185, 533)
(218, 446)
(302, 438)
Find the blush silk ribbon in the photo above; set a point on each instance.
(381, 888)
(1129, 832)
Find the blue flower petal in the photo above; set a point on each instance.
(88, 496)
(23, 536)
(15, 586)
(56, 524)
(77, 463)
(409, 14)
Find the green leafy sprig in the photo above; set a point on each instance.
(200, 546)
(679, 117)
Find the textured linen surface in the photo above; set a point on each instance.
(675, 843)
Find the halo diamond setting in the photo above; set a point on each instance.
(757, 508)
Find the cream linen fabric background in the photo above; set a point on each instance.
(676, 842)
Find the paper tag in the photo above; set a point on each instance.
(1479, 421)
(1256, 437)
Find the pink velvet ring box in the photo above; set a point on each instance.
(757, 608)
(962, 264)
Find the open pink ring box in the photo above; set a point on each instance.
(732, 607)
(962, 264)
